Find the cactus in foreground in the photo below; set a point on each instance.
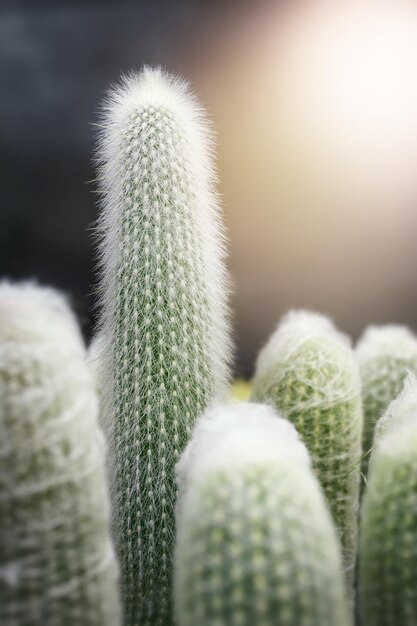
(385, 355)
(388, 530)
(256, 544)
(164, 318)
(57, 564)
(308, 373)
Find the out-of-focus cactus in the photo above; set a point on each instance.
(256, 544)
(388, 537)
(385, 355)
(57, 564)
(307, 371)
(400, 410)
(164, 316)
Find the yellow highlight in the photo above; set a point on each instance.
(240, 390)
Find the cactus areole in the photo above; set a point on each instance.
(57, 562)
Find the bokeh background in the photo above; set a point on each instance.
(314, 104)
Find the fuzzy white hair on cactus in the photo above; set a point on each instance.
(401, 410)
(57, 563)
(387, 554)
(308, 372)
(386, 355)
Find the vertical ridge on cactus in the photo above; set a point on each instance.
(256, 544)
(388, 537)
(57, 563)
(307, 371)
(164, 317)
(385, 355)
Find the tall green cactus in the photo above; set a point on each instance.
(388, 537)
(256, 544)
(164, 321)
(385, 355)
(308, 372)
(57, 564)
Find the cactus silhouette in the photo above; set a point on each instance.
(57, 563)
(256, 544)
(385, 355)
(307, 371)
(164, 318)
(388, 537)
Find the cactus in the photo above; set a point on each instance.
(57, 563)
(308, 372)
(388, 531)
(401, 409)
(385, 355)
(256, 544)
(94, 361)
(164, 318)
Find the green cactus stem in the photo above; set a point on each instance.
(307, 371)
(57, 563)
(385, 355)
(164, 318)
(388, 531)
(256, 544)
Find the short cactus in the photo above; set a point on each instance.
(164, 316)
(388, 530)
(385, 355)
(256, 544)
(57, 563)
(307, 371)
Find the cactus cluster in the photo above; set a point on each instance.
(235, 514)
(57, 564)
(307, 371)
(164, 319)
(255, 544)
(388, 539)
(386, 354)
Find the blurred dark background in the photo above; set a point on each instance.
(316, 115)
(57, 59)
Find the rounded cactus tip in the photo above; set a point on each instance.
(27, 309)
(295, 328)
(239, 434)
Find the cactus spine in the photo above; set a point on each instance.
(256, 544)
(57, 564)
(308, 372)
(388, 537)
(385, 355)
(164, 316)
